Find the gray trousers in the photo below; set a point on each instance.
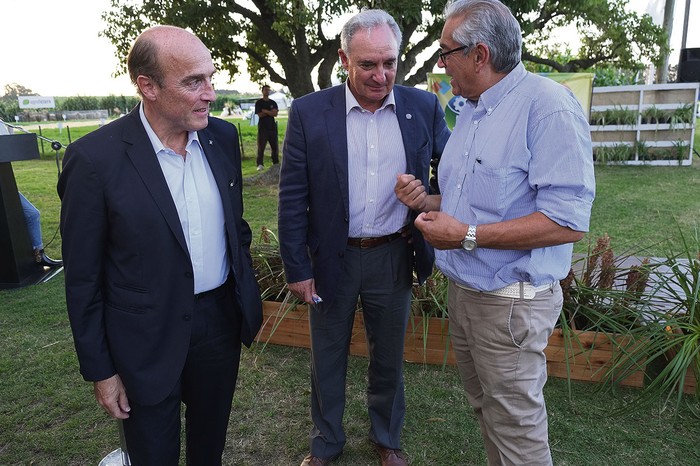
(499, 345)
(381, 278)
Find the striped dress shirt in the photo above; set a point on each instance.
(375, 157)
(524, 147)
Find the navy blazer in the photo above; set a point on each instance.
(313, 217)
(129, 278)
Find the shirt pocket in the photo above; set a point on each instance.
(487, 192)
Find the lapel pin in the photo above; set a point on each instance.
(409, 116)
(211, 143)
(230, 183)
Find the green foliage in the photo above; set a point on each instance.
(682, 115)
(617, 153)
(8, 110)
(49, 417)
(655, 305)
(9, 105)
(608, 32)
(114, 103)
(609, 75)
(284, 41)
(79, 103)
(14, 90)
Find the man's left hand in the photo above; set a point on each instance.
(441, 230)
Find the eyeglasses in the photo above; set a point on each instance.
(442, 56)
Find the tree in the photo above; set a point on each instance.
(14, 90)
(9, 104)
(285, 41)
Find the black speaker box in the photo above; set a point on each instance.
(689, 66)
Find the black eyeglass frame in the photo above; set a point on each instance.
(443, 55)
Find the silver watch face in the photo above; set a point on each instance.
(468, 244)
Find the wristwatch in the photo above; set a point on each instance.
(469, 241)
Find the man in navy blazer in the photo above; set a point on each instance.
(343, 233)
(159, 282)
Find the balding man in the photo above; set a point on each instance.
(159, 284)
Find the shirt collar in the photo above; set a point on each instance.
(496, 93)
(351, 102)
(153, 137)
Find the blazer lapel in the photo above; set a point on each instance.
(335, 116)
(141, 154)
(406, 116)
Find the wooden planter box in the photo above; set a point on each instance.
(427, 342)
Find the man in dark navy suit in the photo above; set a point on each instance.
(159, 282)
(344, 234)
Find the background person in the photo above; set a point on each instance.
(32, 217)
(159, 283)
(343, 233)
(266, 110)
(517, 188)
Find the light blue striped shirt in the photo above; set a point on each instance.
(524, 147)
(198, 202)
(375, 157)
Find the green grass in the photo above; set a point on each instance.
(643, 207)
(48, 415)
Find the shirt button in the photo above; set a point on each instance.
(187, 317)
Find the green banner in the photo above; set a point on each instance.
(581, 84)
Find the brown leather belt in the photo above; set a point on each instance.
(366, 243)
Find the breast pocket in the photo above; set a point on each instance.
(487, 191)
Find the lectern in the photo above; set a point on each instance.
(17, 265)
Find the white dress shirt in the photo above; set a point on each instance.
(198, 202)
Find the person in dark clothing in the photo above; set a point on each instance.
(266, 110)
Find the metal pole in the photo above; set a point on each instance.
(685, 24)
(240, 141)
(122, 443)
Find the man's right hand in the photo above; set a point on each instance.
(304, 290)
(411, 192)
(111, 395)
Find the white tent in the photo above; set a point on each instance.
(283, 102)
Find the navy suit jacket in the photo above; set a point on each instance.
(313, 217)
(129, 278)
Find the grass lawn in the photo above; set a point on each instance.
(48, 415)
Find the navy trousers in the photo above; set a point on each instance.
(381, 277)
(205, 387)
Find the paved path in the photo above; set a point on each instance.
(54, 124)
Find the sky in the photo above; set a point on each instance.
(52, 46)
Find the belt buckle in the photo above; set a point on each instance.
(365, 242)
(528, 291)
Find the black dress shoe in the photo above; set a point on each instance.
(41, 258)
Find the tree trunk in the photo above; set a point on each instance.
(662, 71)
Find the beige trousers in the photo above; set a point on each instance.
(499, 343)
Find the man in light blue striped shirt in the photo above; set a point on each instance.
(517, 187)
